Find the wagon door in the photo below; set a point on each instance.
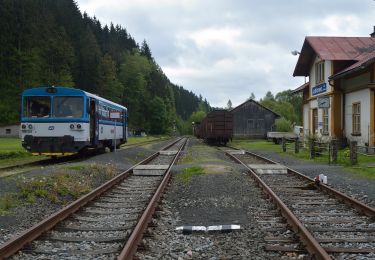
(93, 122)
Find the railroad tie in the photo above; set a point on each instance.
(150, 170)
(268, 168)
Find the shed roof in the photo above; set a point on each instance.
(252, 100)
(332, 48)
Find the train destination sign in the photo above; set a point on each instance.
(115, 115)
(319, 89)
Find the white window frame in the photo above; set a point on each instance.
(356, 118)
(319, 72)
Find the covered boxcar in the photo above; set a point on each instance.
(217, 127)
(61, 121)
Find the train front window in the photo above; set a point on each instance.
(37, 107)
(68, 107)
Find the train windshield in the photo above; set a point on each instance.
(37, 107)
(68, 107)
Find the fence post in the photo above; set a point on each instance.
(296, 146)
(312, 149)
(334, 150)
(353, 152)
(283, 142)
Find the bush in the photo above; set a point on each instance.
(283, 125)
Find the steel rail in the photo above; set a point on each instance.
(135, 238)
(70, 158)
(312, 245)
(368, 211)
(18, 242)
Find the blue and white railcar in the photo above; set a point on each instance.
(62, 121)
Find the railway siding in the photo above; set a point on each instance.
(321, 212)
(118, 191)
(223, 196)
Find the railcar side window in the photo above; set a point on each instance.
(37, 107)
(68, 107)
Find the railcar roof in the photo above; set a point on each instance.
(61, 91)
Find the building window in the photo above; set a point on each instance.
(315, 120)
(250, 123)
(319, 72)
(356, 110)
(8, 131)
(260, 124)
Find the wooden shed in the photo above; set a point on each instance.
(253, 120)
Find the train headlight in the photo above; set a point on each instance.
(23, 126)
(79, 126)
(30, 126)
(71, 126)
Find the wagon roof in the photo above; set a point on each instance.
(252, 100)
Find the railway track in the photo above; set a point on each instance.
(329, 224)
(106, 223)
(66, 159)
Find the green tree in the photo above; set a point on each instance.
(252, 96)
(145, 50)
(158, 116)
(108, 85)
(229, 105)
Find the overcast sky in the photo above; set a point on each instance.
(227, 49)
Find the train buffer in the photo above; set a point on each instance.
(150, 169)
(268, 168)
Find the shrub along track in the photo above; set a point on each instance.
(329, 223)
(65, 159)
(98, 224)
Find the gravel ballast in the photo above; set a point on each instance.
(358, 187)
(25, 216)
(224, 195)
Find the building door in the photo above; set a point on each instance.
(315, 120)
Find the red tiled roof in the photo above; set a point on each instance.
(301, 88)
(365, 59)
(332, 48)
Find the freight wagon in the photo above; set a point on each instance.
(217, 127)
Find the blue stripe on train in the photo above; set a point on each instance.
(107, 122)
(53, 120)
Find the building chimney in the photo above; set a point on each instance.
(373, 33)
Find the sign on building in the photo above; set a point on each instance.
(319, 89)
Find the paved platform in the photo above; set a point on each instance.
(150, 170)
(269, 168)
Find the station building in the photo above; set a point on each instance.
(338, 100)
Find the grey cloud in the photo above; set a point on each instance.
(260, 59)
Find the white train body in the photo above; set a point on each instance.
(60, 121)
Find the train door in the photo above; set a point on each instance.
(125, 127)
(92, 121)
